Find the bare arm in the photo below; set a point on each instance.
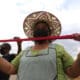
(19, 45)
(7, 67)
(74, 70)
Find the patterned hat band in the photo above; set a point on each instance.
(30, 20)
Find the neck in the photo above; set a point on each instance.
(41, 46)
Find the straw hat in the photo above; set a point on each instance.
(51, 19)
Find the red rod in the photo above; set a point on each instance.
(40, 38)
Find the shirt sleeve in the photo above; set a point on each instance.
(67, 59)
(16, 60)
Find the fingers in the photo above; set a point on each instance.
(16, 37)
(19, 41)
(76, 36)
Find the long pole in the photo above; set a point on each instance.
(39, 38)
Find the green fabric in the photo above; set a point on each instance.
(63, 59)
(15, 61)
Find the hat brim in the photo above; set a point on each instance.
(51, 19)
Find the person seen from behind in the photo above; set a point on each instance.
(44, 60)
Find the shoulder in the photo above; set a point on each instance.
(60, 50)
(57, 46)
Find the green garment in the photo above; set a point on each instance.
(63, 60)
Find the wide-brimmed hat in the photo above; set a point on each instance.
(52, 20)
